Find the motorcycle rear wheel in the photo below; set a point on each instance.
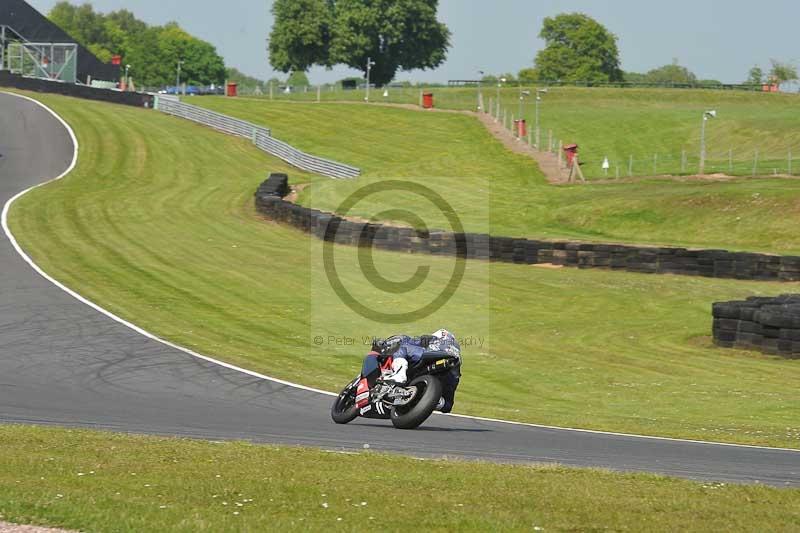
(344, 408)
(412, 415)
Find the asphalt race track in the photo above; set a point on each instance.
(64, 363)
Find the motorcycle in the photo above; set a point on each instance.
(371, 395)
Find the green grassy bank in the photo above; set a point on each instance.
(156, 224)
(96, 481)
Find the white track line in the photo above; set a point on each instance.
(149, 335)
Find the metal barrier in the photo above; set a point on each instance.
(261, 137)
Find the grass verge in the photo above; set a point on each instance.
(101, 481)
(157, 225)
(493, 190)
(638, 123)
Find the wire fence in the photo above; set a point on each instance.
(259, 135)
(502, 103)
(732, 162)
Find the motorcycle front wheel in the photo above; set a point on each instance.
(410, 416)
(344, 408)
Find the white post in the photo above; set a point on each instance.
(270, 90)
(319, 93)
(790, 161)
(630, 167)
(369, 69)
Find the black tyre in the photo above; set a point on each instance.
(344, 408)
(429, 390)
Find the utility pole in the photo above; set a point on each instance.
(480, 94)
(539, 93)
(706, 115)
(370, 64)
(178, 77)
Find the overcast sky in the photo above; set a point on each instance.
(716, 39)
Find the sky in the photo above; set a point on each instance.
(715, 39)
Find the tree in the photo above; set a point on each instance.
(152, 51)
(782, 72)
(301, 34)
(528, 75)
(671, 74)
(577, 48)
(394, 34)
(634, 77)
(755, 76)
(298, 78)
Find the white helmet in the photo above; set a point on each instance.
(442, 334)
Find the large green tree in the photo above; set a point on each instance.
(301, 34)
(577, 48)
(394, 34)
(152, 52)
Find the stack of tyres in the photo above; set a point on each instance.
(767, 324)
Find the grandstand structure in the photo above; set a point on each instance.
(31, 45)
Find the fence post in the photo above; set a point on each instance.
(755, 163)
(790, 162)
(560, 161)
(683, 161)
(270, 90)
(530, 143)
(617, 167)
(420, 97)
(630, 167)
(319, 93)
(550, 141)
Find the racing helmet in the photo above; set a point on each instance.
(442, 334)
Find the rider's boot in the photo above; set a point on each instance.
(399, 368)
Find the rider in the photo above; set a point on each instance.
(404, 349)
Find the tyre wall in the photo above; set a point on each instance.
(651, 260)
(770, 325)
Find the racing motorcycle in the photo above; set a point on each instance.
(370, 395)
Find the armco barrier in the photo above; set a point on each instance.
(652, 260)
(767, 324)
(78, 91)
(260, 136)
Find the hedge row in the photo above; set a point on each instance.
(78, 91)
(709, 263)
(768, 324)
